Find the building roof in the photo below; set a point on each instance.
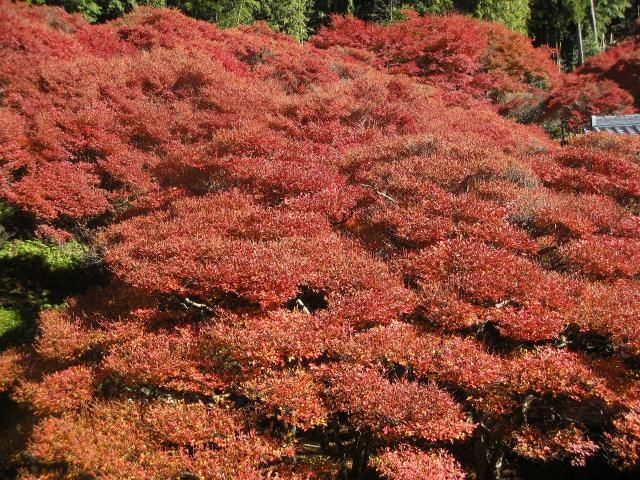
(622, 124)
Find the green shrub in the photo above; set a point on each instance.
(36, 275)
(52, 257)
(10, 321)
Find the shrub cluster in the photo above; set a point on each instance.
(319, 268)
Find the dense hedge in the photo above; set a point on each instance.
(317, 264)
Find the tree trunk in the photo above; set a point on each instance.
(240, 7)
(360, 457)
(593, 20)
(594, 24)
(580, 44)
(558, 40)
(481, 456)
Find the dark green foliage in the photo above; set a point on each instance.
(290, 16)
(100, 10)
(555, 23)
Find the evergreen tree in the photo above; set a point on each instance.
(513, 13)
(431, 6)
(553, 23)
(290, 16)
(99, 10)
(607, 11)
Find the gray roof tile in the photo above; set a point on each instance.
(620, 124)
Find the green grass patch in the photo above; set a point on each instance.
(54, 257)
(10, 321)
(35, 275)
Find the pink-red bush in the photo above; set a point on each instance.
(318, 261)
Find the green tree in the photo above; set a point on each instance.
(514, 14)
(289, 16)
(430, 6)
(579, 13)
(559, 23)
(595, 30)
(554, 23)
(607, 11)
(226, 13)
(203, 9)
(100, 10)
(385, 10)
(88, 8)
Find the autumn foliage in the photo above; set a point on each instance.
(608, 84)
(484, 60)
(322, 263)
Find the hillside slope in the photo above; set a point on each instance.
(318, 268)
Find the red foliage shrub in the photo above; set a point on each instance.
(569, 443)
(441, 215)
(488, 284)
(266, 257)
(12, 140)
(606, 85)
(407, 463)
(108, 442)
(163, 359)
(585, 167)
(33, 32)
(113, 438)
(452, 52)
(620, 64)
(265, 342)
(70, 192)
(625, 443)
(59, 392)
(558, 373)
(610, 310)
(604, 257)
(294, 397)
(191, 424)
(63, 338)
(583, 95)
(573, 215)
(10, 369)
(464, 265)
(446, 359)
(316, 257)
(398, 409)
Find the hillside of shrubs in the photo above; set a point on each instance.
(608, 84)
(228, 255)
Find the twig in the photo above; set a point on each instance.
(381, 193)
(187, 302)
(302, 306)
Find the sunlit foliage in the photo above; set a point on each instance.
(319, 260)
